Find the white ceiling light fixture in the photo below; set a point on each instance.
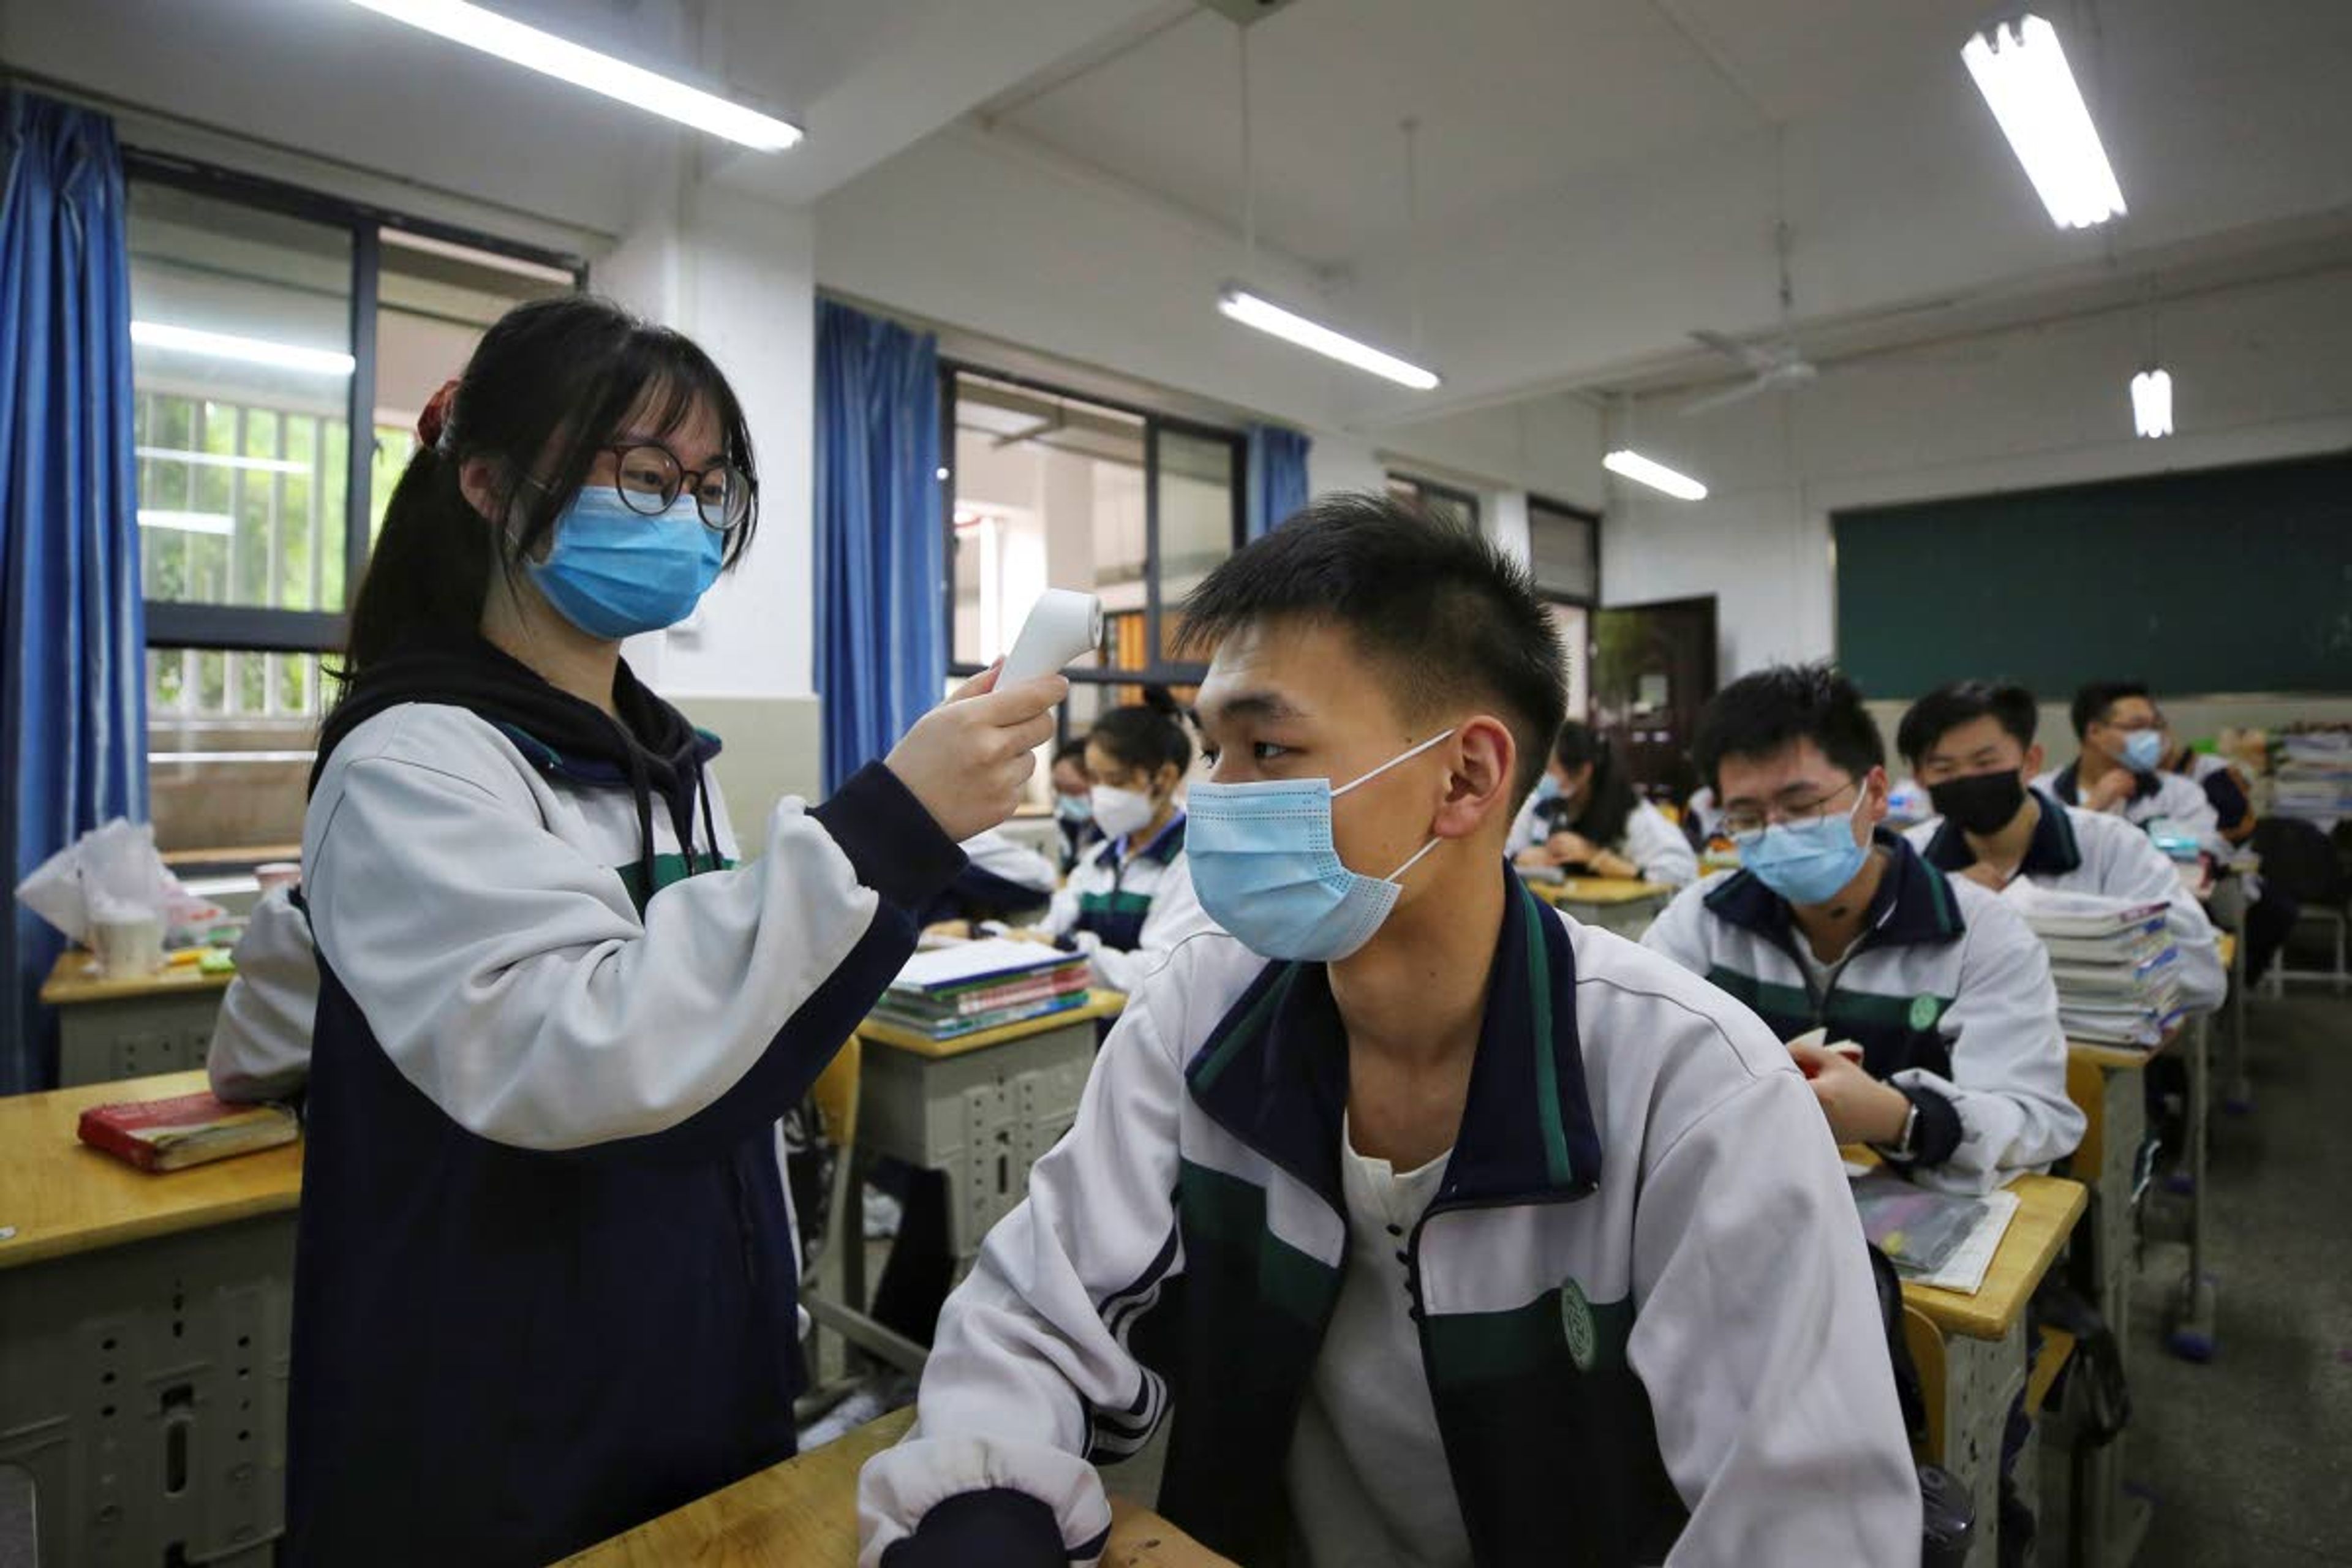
(1257, 310)
(245, 351)
(486, 30)
(1242, 303)
(1642, 470)
(2151, 393)
(2022, 70)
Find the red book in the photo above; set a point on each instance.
(188, 1130)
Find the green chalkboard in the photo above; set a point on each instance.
(2221, 580)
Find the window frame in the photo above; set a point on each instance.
(252, 628)
(1427, 490)
(1591, 601)
(1158, 670)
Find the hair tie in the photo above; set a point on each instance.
(435, 417)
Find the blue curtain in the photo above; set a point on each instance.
(73, 716)
(1277, 476)
(881, 654)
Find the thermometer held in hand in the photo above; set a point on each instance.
(1061, 626)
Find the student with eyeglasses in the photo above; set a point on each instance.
(2121, 768)
(546, 1281)
(1832, 922)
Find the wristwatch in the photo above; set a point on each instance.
(1901, 1148)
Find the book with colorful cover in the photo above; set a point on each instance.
(993, 996)
(951, 1029)
(187, 1130)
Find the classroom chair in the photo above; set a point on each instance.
(2299, 859)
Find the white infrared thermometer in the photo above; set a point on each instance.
(1062, 626)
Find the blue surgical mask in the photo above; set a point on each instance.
(1546, 789)
(1806, 862)
(615, 573)
(2143, 750)
(1263, 866)
(1078, 810)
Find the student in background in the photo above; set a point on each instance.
(1585, 818)
(2270, 915)
(1833, 922)
(1003, 878)
(1971, 745)
(545, 1286)
(1442, 1228)
(2120, 769)
(1129, 899)
(1073, 811)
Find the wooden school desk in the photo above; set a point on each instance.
(803, 1513)
(1622, 904)
(128, 1028)
(144, 1338)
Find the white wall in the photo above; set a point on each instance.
(2259, 373)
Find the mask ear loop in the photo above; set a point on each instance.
(1401, 758)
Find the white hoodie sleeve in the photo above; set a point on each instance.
(506, 975)
(262, 1042)
(1658, 849)
(1526, 828)
(1026, 1375)
(1759, 1343)
(2008, 1084)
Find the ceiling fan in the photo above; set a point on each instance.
(1775, 364)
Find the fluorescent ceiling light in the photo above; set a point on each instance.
(2023, 73)
(223, 460)
(1252, 310)
(477, 28)
(407, 239)
(246, 350)
(2152, 403)
(1657, 476)
(188, 521)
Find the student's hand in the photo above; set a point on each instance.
(1570, 849)
(954, 931)
(1037, 934)
(2110, 793)
(1860, 1109)
(1538, 858)
(967, 759)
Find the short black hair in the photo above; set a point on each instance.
(1960, 702)
(1762, 714)
(1450, 618)
(1149, 735)
(1073, 750)
(2096, 699)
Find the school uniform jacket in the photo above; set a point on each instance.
(1126, 906)
(1656, 846)
(2155, 796)
(2078, 851)
(1646, 1311)
(2218, 780)
(545, 1283)
(1947, 991)
(261, 1041)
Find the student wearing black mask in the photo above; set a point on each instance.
(1971, 745)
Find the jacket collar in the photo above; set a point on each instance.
(584, 770)
(2066, 785)
(1165, 847)
(2051, 852)
(1273, 1073)
(1914, 902)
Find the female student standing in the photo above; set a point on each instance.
(1129, 900)
(545, 1284)
(1585, 817)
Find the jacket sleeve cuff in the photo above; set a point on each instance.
(892, 843)
(1001, 1526)
(1938, 1136)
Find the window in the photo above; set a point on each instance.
(1564, 551)
(1049, 488)
(267, 324)
(1442, 502)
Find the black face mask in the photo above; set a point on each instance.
(1981, 804)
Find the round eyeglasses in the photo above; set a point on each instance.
(650, 480)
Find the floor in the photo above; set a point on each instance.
(2249, 1457)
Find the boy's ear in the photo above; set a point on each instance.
(1479, 788)
(2034, 757)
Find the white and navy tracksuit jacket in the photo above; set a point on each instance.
(2078, 851)
(2157, 796)
(1656, 846)
(1126, 906)
(546, 1283)
(1947, 991)
(261, 1041)
(1646, 1315)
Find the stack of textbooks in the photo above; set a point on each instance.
(189, 1129)
(2314, 780)
(2118, 971)
(952, 992)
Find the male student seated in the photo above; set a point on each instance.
(1971, 745)
(2120, 769)
(1443, 1229)
(2270, 918)
(1833, 923)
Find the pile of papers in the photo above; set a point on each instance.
(2313, 779)
(952, 992)
(2117, 972)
